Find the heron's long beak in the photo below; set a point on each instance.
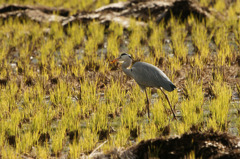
(113, 61)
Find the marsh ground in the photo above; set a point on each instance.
(60, 96)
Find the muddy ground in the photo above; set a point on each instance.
(205, 145)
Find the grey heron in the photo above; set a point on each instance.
(146, 75)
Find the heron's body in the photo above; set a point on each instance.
(146, 75)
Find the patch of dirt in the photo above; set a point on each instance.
(203, 144)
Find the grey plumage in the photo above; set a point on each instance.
(146, 75)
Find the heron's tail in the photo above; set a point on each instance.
(173, 86)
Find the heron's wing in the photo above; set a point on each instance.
(148, 75)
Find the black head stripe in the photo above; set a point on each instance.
(126, 54)
(123, 54)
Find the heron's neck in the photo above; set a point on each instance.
(125, 67)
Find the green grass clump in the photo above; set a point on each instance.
(178, 35)
(132, 110)
(151, 131)
(60, 95)
(156, 39)
(96, 32)
(129, 116)
(219, 106)
(74, 151)
(222, 42)
(192, 115)
(95, 35)
(122, 137)
(57, 140)
(89, 97)
(100, 119)
(88, 140)
(138, 34)
(25, 141)
(76, 33)
(42, 152)
(9, 153)
(8, 102)
(194, 91)
(114, 97)
(116, 31)
(201, 39)
(175, 64)
(191, 107)
(160, 117)
(56, 31)
(45, 52)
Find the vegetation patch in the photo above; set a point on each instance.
(61, 97)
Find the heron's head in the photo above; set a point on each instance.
(122, 58)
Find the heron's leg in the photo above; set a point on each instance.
(169, 103)
(147, 106)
